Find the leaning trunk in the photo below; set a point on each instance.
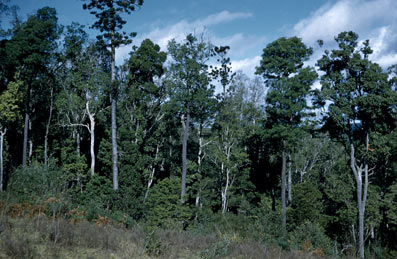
(185, 124)
(283, 200)
(47, 131)
(2, 133)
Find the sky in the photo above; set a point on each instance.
(247, 26)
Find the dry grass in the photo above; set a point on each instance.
(43, 237)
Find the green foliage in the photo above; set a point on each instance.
(9, 103)
(109, 20)
(37, 182)
(164, 208)
(307, 205)
(310, 236)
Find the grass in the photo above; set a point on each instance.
(27, 232)
(42, 237)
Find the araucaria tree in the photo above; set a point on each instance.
(360, 102)
(191, 88)
(286, 102)
(110, 22)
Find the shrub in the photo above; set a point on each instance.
(17, 246)
(164, 207)
(310, 237)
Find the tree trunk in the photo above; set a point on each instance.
(47, 130)
(26, 129)
(225, 190)
(151, 176)
(361, 194)
(283, 200)
(92, 144)
(2, 133)
(185, 124)
(199, 159)
(114, 125)
(289, 179)
(78, 142)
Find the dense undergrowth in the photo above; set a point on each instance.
(41, 217)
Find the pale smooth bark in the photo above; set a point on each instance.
(151, 176)
(185, 124)
(289, 179)
(114, 124)
(360, 172)
(283, 198)
(91, 129)
(47, 130)
(26, 128)
(200, 157)
(2, 133)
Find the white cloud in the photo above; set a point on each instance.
(246, 65)
(178, 31)
(373, 20)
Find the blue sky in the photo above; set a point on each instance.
(247, 26)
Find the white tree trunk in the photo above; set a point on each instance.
(289, 179)
(47, 130)
(358, 171)
(114, 124)
(2, 133)
(283, 200)
(91, 129)
(185, 124)
(151, 176)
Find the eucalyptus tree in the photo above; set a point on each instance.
(82, 96)
(360, 106)
(30, 48)
(191, 91)
(110, 23)
(286, 101)
(228, 153)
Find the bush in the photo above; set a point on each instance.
(310, 237)
(17, 247)
(164, 208)
(37, 181)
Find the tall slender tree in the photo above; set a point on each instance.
(30, 49)
(360, 104)
(289, 82)
(110, 23)
(191, 91)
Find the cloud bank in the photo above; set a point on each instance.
(374, 20)
(239, 43)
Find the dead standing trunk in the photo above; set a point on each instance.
(358, 171)
(185, 124)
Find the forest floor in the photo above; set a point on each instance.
(44, 237)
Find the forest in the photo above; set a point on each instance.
(174, 139)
